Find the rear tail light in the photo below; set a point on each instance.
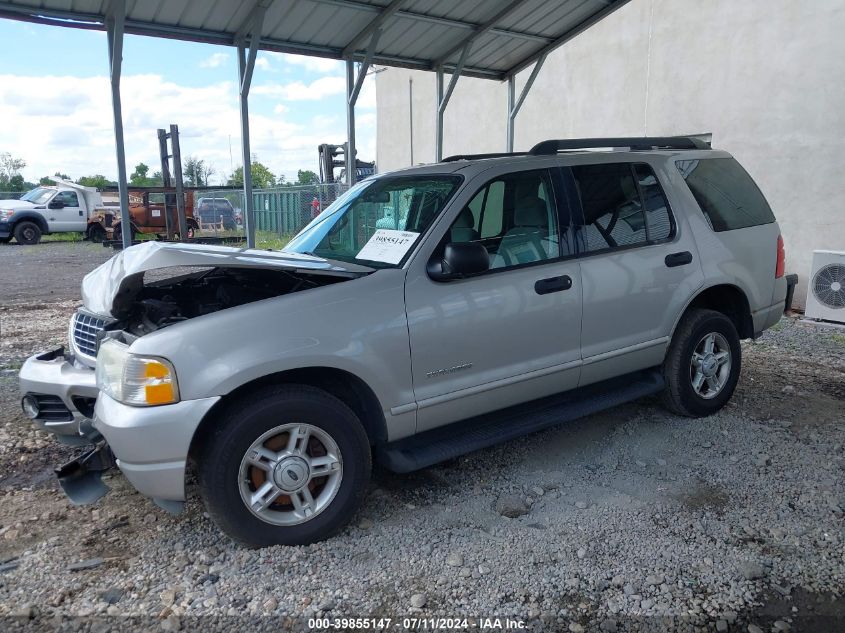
(780, 267)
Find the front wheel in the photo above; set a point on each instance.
(287, 465)
(702, 365)
(27, 233)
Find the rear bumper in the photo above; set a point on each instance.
(151, 444)
(55, 374)
(767, 317)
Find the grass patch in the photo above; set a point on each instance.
(63, 237)
(838, 338)
(270, 240)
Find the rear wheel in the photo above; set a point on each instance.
(703, 364)
(96, 233)
(27, 233)
(285, 465)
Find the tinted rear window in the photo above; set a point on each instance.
(726, 193)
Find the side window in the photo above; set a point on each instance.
(726, 193)
(515, 218)
(68, 197)
(657, 215)
(613, 212)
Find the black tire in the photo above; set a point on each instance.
(117, 234)
(27, 233)
(242, 422)
(96, 233)
(679, 395)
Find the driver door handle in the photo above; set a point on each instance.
(553, 284)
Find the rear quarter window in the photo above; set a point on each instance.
(726, 193)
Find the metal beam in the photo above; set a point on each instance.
(612, 6)
(350, 123)
(177, 176)
(246, 66)
(256, 13)
(443, 99)
(480, 30)
(114, 32)
(374, 24)
(434, 19)
(514, 107)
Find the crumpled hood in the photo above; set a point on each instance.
(109, 288)
(17, 204)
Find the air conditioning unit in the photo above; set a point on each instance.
(826, 291)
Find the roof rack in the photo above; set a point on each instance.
(635, 143)
(456, 157)
(699, 141)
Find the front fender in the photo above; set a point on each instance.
(357, 326)
(30, 216)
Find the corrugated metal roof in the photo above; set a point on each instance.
(505, 35)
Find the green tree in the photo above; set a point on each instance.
(307, 177)
(196, 172)
(99, 181)
(10, 176)
(262, 177)
(140, 177)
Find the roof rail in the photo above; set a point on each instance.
(456, 157)
(698, 141)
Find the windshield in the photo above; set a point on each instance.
(377, 222)
(38, 196)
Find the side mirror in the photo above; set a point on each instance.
(56, 204)
(459, 260)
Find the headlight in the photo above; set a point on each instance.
(5, 214)
(141, 381)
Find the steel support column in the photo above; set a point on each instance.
(114, 33)
(443, 99)
(246, 65)
(514, 105)
(353, 89)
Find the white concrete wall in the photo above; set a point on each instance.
(766, 77)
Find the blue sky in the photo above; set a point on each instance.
(55, 104)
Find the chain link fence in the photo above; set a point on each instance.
(11, 195)
(280, 210)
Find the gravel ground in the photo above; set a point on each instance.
(63, 264)
(632, 519)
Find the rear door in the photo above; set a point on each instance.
(508, 335)
(639, 265)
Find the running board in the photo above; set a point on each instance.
(459, 438)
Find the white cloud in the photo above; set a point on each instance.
(300, 91)
(216, 60)
(77, 138)
(263, 63)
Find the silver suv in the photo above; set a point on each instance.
(428, 312)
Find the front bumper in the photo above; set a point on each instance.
(5, 230)
(151, 443)
(55, 374)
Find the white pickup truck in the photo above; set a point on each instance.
(63, 207)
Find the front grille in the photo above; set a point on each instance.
(85, 330)
(51, 408)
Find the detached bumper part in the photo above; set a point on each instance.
(62, 391)
(81, 478)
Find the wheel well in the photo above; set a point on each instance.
(348, 388)
(730, 301)
(35, 219)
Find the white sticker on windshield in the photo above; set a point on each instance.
(388, 246)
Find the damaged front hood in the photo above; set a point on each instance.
(109, 288)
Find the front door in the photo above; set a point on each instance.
(70, 217)
(508, 335)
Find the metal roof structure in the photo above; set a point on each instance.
(505, 36)
(490, 39)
